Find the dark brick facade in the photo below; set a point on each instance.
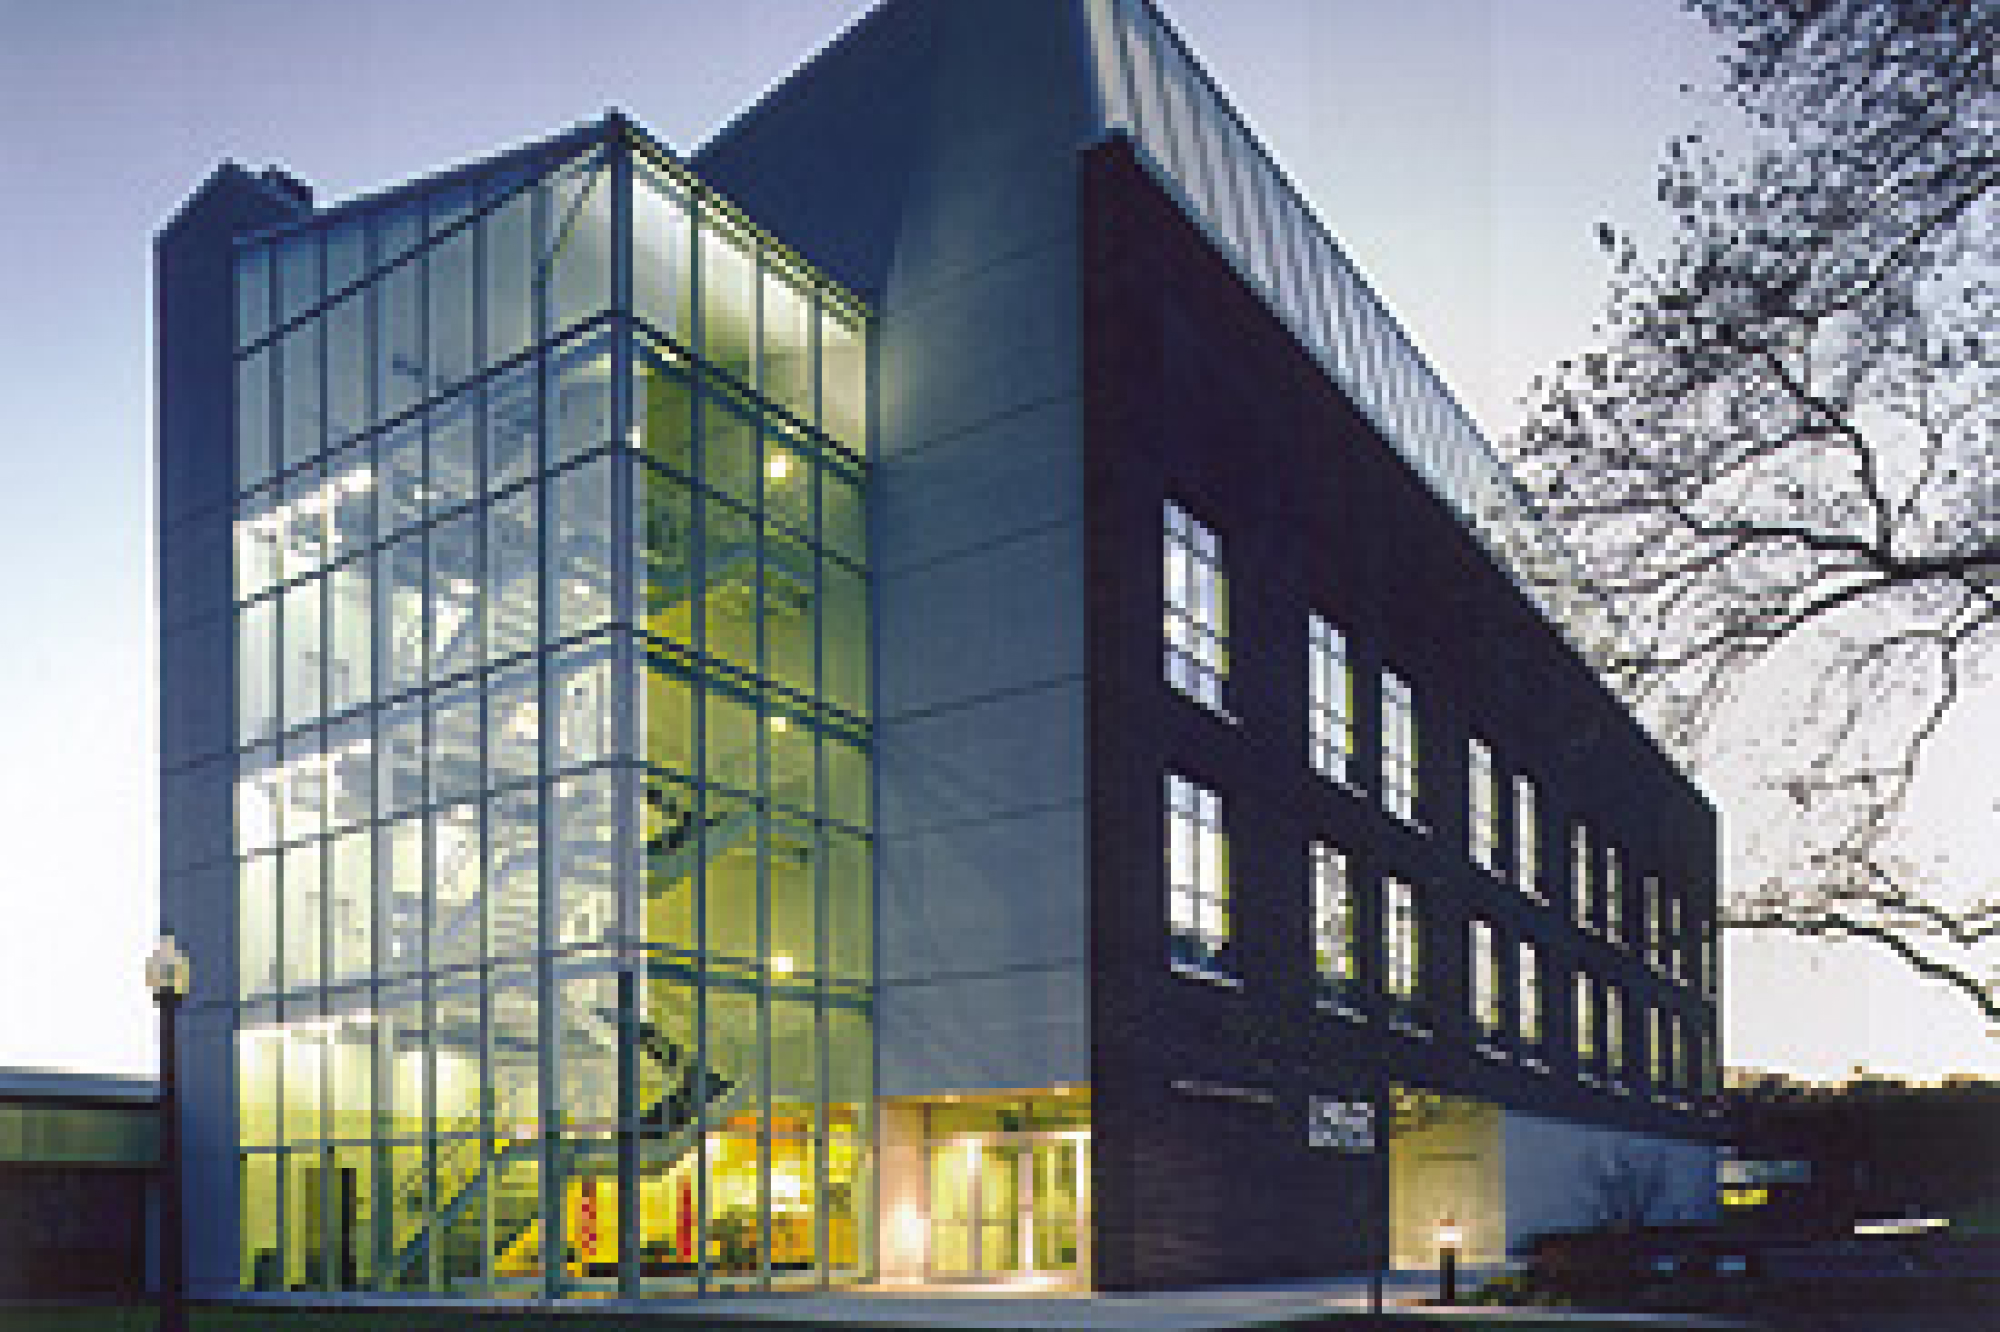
(1195, 392)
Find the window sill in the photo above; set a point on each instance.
(1488, 1050)
(1534, 1065)
(1206, 975)
(1342, 781)
(1340, 1010)
(1403, 1026)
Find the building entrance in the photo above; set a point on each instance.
(1009, 1206)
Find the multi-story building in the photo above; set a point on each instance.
(673, 775)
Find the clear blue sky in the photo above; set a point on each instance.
(1463, 149)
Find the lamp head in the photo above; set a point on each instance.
(1450, 1235)
(168, 971)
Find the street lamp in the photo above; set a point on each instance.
(1449, 1239)
(168, 975)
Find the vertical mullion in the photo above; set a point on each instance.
(550, 1181)
(626, 794)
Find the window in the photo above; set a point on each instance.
(1614, 1028)
(1485, 978)
(1657, 1047)
(1527, 839)
(1586, 1020)
(1333, 918)
(1482, 813)
(1399, 747)
(1530, 997)
(1614, 896)
(1579, 874)
(1197, 874)
(1197, 610)
(1331, 705)
(1401, 919)
(1670, 932)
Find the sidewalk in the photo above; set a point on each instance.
(1237, 1307)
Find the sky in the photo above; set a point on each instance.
(1462, 150)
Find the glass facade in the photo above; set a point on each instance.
(554, 819)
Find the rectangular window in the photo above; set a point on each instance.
(1527, 839)
(1331, 702)
(1586, 1020)
(1333, 918)
(1197, 875)
(1399, 747)
(1614, 1029)
(1648, 936)
(1579, 874)
(1482, 813)
(1530, 997)
(1614, 896)
(1670, 932)
(1402, 943)
(1197, 610)
(1485, 959)
(1657, 1046)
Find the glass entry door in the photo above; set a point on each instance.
(1005, 1206)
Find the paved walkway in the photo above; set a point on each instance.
(1182, 1311)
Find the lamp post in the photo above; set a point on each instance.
(1449, 1238)
(168, 974)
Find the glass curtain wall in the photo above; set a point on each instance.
(553, 704)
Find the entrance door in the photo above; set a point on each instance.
(1008, 1206)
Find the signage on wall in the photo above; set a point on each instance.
(1341, 1126)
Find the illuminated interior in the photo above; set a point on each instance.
(554, 837)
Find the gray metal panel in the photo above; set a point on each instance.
(996, 758)
(999, 1032)
(208, 1137)
(1005, 618)
(927, 158)
(977, 487)
(968, 900)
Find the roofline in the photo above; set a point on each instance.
(536, 151)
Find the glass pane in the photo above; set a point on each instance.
(510, 265)
(262, 1266)
(844, 637)
(254, 463)
(787, 332)
(298, 274)
(789, 603)
(399, 592)
(257, 671)
(849, 902)
(662, 245)
(456, 638)
(399, 900)
(728, 300)
(303, 417)
(669, 825)
(458, 901)
(454, 453)
(450, 322)
(253, 294)
(512, 569)
(580, 547)
(350, 899)
(729, 577)
(585, 860)
(513, 849)
(580, 684)
(578, 247)
(257, 927)
(399, 349)
(579, 399)
(665, 528)
(663, 413)
(513, 731)
(843, 383)
(510, 426)
(792, 864)
(301, 653)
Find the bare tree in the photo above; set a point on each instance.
(1781, 464)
